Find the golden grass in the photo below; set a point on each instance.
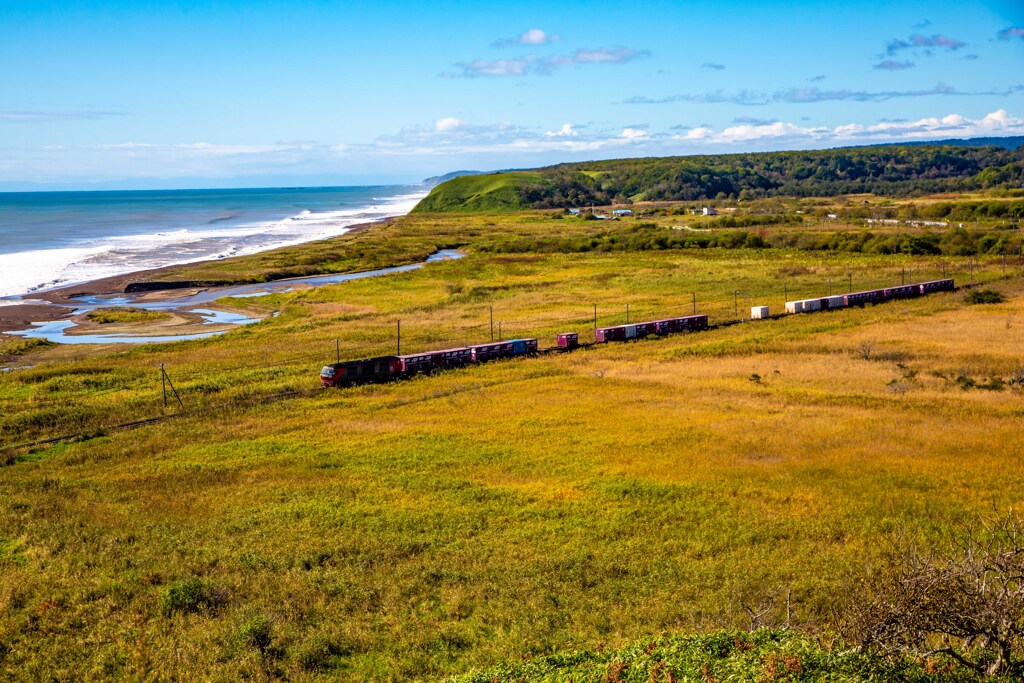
(421, 528)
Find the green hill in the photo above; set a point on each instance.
(510, 191)
(897, 171)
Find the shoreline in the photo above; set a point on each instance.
(59, 303)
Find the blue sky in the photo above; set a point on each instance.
(207, 94)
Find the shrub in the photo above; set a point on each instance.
(193, 595)
(984, 296)
(319, 653)
(256, 632)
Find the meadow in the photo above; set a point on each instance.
(430, 527)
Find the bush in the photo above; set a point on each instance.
(193, 595)
(319, 653)
(256, 632)
(965, 603)
(984, 296)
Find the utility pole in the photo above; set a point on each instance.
(492, 323)
(903, 276)
(851, 281)
(398, 347)
(694, 302)
(595, 318)
(627, 314)
(499, 330)
(337, 350)
(163, 384)
(167, 378)
(736, 302)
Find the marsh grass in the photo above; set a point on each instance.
(105, 316)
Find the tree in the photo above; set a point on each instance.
(967, 603)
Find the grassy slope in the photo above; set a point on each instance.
(427, 527)
(481, 193)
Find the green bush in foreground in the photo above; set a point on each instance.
(984, 296)
(764, 655)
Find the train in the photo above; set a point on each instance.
(385, 368)
(870, 296)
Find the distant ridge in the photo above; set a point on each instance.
(438, 179)
(1010, 142)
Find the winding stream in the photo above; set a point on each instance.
(56, 330)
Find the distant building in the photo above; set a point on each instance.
(622, 212)
(833, 216)
(574, 212)
(708, 211)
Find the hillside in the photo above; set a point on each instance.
(896, 171)
(489, 192)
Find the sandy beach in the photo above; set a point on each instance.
(59, 303)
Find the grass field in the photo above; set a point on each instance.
(425, 528)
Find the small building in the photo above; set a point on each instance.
(618, 213)
(708, 211)
(574, 212)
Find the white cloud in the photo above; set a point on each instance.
(447, 124)
(999, 122)
(565, 131)
(533, 65)
(534, 36)
(456, 143)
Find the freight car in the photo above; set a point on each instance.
(435, 360)
(504, 349)
(687, 323)
(384, 368)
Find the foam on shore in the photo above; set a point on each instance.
(37, 270)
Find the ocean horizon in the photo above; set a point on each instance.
(50, 239)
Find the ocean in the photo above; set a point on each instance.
(49, 239)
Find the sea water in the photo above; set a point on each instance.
(49, 239)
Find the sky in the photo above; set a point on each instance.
(161, 94)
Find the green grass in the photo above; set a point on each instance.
(757, 657)
(17, 346)
(469, 520)
(494, 192)
(106, 316)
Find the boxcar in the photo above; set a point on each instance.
(902, 292)
(667, 326)
(860, 298)
(360, 371)
(610, 334)
(641, 330)
(504, 349)
(835, 302)
(567, 340)
(794, 307)
(936, 286)
(693, 322)
(435, 360)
